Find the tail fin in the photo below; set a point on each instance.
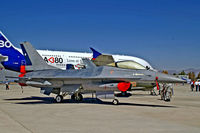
(4, 42)
(100, 59)
(33, 60)
(95, 53)
(14, 57)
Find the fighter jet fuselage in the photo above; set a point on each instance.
(100, 76)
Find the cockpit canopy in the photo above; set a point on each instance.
(127, 65)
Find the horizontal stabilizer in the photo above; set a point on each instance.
(3, 58)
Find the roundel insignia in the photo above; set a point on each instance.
(51, 60)
(123, 86)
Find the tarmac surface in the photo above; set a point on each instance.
(32, 112)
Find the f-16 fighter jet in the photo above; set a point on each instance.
(102, 79)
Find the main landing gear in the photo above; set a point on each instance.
(77, 97)
(59, 98)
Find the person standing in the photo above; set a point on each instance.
(197, 86)
(7, 86)
(192, 85)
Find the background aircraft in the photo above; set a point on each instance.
(59, 59)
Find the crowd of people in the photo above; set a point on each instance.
(195, 85)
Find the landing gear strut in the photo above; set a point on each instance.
(77, 97)
(59, 98)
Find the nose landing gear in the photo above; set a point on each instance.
(115, 102)
(59, 98)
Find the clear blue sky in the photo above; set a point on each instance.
(166, 33)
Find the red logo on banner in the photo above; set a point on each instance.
(51, 60)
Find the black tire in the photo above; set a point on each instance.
(59, 98)
(80, 97)
(115, 102)
(77, 98)
(73, 97)
(167, 100)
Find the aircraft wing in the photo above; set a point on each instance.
(3, 58)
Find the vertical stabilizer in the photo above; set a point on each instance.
(11, 58)
(95, 53)
(33, 60)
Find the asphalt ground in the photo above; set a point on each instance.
(32, 112)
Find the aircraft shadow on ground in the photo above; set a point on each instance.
(50, 100)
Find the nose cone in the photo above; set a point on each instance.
(166, 78)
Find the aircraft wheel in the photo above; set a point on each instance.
(167, 99)
(73, 97)
(80, 97)
(59, 98)
(77, 97)
(115, 102)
